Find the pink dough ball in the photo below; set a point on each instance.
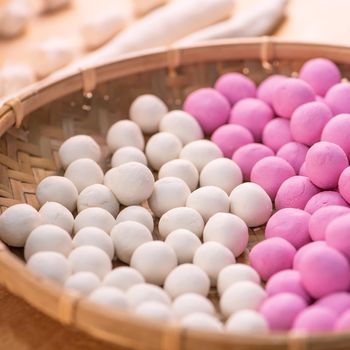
(343, 322)
(314, 319)
(253, 114)
(294, 153)
(235, 87)
(287, 281)
(324, 199)
(208, 107)
(267, 87)
(289, 95)
(308, 121)
(302, 170)
(324, 271)
(291, 224)
(277, 133)
(300, 253)
(336, 302)
(231, 137)
(295, 192)
(271, 256)
(338, 234)
(270, 173)
(321, 218)
(344, 184)
(321, 74)
(324, 163)
(338, 98)
(248, 155)
(281, 310)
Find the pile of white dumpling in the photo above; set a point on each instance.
(198, 238)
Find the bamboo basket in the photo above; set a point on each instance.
(88, 101)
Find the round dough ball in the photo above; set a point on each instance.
(337, 98)
(83, 173)
(201, 321)
(96, 237)
(168, 193)
(83, 282)
(132, 183)
(323, 199)
(57, 189)
(251, 203)
(79, 146)
(154, 260)
(181, 218)
(335, 302)
(56, 214)
(212, 257)
(123, 277)
(182, 169)
(344, 184)
(267, 87)
(343, 322)
(110, 297)
(99, 196)
(154, 310)
(294, 153)
(223, 173)
(91, 259)
(128, 154)
(182, 125)
(277, 133)
(138, 214)
(185, 243)
(190, 303)
(301, 252)
(161, 148)
(96, 217)
(48, 238)
(140, 293)
(124, 133)
(247, 322)
(52, 265)
(17, 222)
(244, 295)
(200, 153)
(187, 278)
(208, 200)
(127, 236)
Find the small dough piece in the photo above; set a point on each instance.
(248, 322)
(83, 282)
(123, 277)
(143, 292)
(138, 214)
(128, 154)
(202, 321)
(110, 297)
(155, 310)
(190, 303)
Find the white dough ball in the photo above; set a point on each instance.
(202, 321)
(162, 148)
(100, 196)
(229, 230)
(223, 173)
(128, 154)
(111, 297)
(56, 214)
(96, 217)
(212, 257)
(154, 260)
(187, 278)
(168, 193)
(155, 310)
(185, 243)
(200, 153)
(251, 203)
(48, 238)
(123, 278)
(183, 169)
(132, 183)
(147, 111)
(190, 303)
(83, 282)
(79, 146)
(96, 237)
(17, 222)
(91, 259)
(124, 133)
(247, 322)
(127, 236)
(138, 214)
(57, 189)
(208, 200)
(181, 218)
(83, 173)
(232, 274)
(51, 265)
(240, 296)
(140, 293)
(182, 125)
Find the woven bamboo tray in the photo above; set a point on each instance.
(34, 124)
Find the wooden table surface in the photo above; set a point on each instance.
(21, 326)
